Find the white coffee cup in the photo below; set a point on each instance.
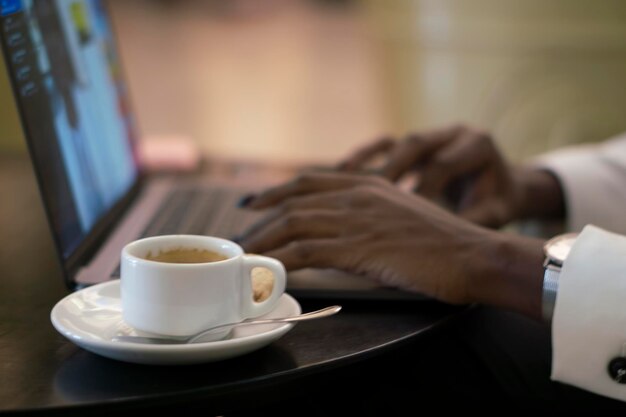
(181, 299)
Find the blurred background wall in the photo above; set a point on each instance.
(306, 80)
(538, 73)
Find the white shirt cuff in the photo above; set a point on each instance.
(589, 322)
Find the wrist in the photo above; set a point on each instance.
(539, 185)
(513, 277)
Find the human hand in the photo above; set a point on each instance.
(459, 167)
(367, 226)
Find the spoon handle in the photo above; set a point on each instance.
(324, 312)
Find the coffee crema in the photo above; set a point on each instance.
(186, 256)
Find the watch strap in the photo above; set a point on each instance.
(550, 288)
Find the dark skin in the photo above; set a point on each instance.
(462, 169)
(365, 224)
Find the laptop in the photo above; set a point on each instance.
(69, 88)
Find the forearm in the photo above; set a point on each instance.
(512, 275)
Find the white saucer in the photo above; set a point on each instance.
(92, 316)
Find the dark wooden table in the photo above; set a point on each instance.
(41, 372)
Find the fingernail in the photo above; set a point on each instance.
(245, 200)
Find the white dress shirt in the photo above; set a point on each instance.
(589, 321)
(593, 178)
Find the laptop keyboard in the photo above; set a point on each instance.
(199, 211)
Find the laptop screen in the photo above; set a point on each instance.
(67, 82)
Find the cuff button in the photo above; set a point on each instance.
(617, 369)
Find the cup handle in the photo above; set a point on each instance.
(253, 308)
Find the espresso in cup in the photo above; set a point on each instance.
(179, 285)
(186, 256)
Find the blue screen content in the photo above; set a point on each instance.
(74, 105)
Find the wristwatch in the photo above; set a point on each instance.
(556, 251)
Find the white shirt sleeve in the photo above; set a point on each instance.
(593, 179)
(589, 321)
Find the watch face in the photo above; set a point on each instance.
(558, 247)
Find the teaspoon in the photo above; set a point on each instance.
(164, 340)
